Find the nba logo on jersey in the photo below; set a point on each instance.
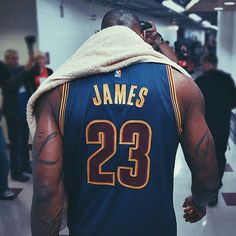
(118, 73)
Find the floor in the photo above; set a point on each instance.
(220, 220)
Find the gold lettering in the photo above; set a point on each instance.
(140, 102)
(106, 95)
(120, 94)
(97, 100)
(131, 95)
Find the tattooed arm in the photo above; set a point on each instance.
(198, 146)
(48, 198)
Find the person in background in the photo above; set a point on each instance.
(16, 90)
(39, 72)
(219, 91)
(5, 192)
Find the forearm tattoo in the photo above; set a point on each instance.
(203, 148)
(40, 143)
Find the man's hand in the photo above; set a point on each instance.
(193, 213)
(29, 65)
(151, 36)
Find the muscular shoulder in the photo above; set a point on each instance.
(49, 103)
(188, 94)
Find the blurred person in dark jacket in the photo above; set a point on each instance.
(219, 91)
(16, 89)
(5, 192)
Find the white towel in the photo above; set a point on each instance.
(110, 49)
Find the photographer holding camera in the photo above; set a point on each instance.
(16, 90)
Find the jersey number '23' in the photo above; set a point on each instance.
(133, 132)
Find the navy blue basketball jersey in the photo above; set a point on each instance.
(120, 133)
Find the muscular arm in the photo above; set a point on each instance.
(48, 191)
(197, 142)
(166, 50)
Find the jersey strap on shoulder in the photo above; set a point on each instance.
(64, 96)
(174, 99)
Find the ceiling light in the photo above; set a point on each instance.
(191, 4)
(173, 6)
(195, 17)
(206, 23)
(218, 8)
(214, 27)
(229, 3)
(173, 27)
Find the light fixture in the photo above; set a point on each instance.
(206, 23)
(173, 27)
(195, 17)
(191, 4)
(173, 6)
(218, 8)
(214, 27)
(229, 3)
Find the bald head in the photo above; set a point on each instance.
(122, 17)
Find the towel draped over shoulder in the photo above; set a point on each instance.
(108, 50)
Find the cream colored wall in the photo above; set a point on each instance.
(226, 39)
(17, 19)
(61, 37)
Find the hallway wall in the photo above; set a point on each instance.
(62, 36)
(16, 21)
(226, 39)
